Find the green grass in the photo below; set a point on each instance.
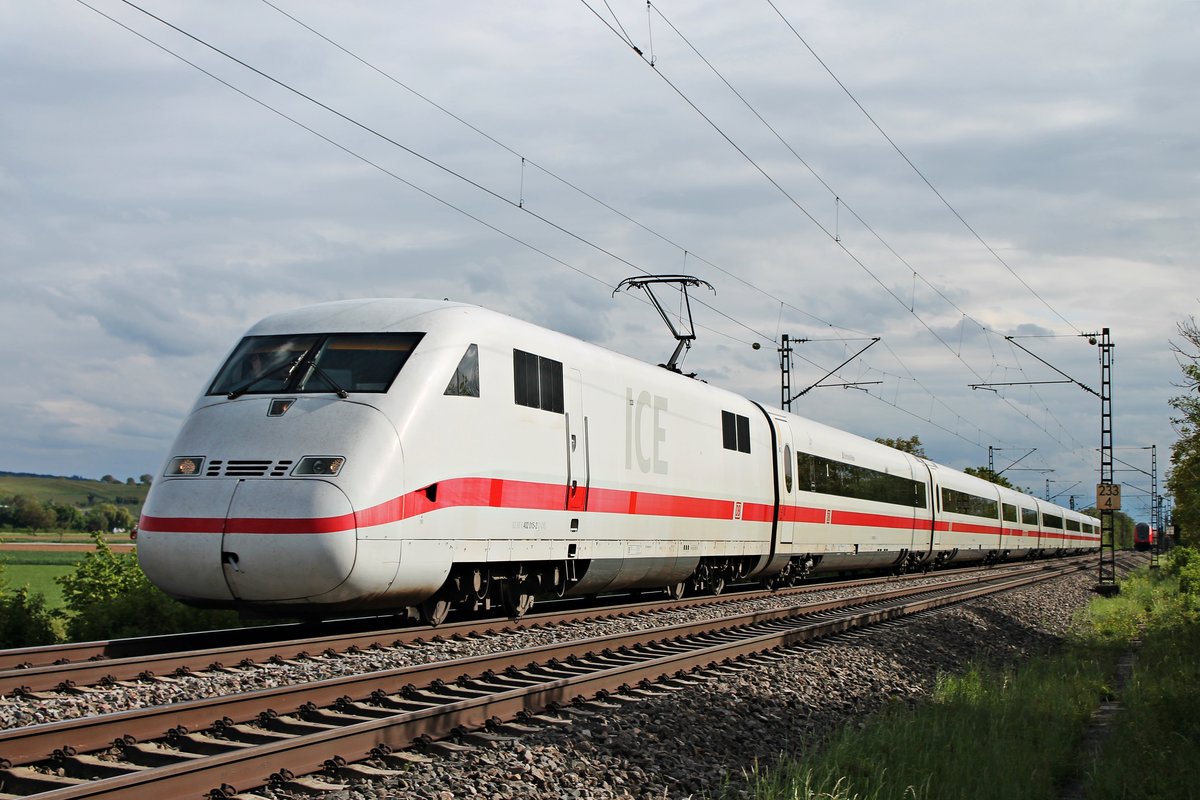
(71, 491)
(1154, 748)
(38, 571)
(1016, 732)
(964, 743)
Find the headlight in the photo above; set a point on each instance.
(184, 466)
(319, 465)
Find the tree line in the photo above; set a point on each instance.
(21, 512)
(1183, 478)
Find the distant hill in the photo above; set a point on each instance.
(73, 490)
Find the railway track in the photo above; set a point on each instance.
(352, 726)
(71, 666)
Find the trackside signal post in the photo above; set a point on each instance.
(1107, 583)
(785, 372)
(1107, 492)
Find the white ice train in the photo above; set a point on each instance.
(384, 454)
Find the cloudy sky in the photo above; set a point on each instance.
(527, 158)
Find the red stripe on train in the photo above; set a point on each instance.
(501, 493)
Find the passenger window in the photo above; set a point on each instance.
(465, 381)
(537, 381)
(735, 431)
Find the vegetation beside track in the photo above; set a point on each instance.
(1017, 731)
(103, 595)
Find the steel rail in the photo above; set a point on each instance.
(65, 652)
(475, 711)
(27, 658)
(57, 677)
(26, 745)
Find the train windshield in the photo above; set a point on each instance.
(314, 363)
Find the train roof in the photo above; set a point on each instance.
(416, 314)
(366, 315)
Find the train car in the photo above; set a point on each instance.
(1022, 525)
(1144, 536)
(386, 454)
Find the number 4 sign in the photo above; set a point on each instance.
(1108, 496)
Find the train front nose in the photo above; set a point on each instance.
(249, 541)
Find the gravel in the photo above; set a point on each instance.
(705, 739)
(695, 740)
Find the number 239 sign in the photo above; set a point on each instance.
(1108, 496)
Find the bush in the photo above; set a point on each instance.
(142, 610)
(109, 597)
(100, 577)
(1184, 564)
(24, 619)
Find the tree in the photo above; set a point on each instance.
(910, 445)
(107, 517)
(121, 519)
(1183, 478)
(24, 619)
(108, 479)
(989, 475)
(146, 479)
(27, 512)
(1123, 526)
(69, 517)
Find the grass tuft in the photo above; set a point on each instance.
(1017, 731)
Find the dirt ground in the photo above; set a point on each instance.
(64, 547)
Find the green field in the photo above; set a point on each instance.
(38, 571)
(73, 492)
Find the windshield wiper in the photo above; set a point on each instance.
(311, 361)
(250, 384)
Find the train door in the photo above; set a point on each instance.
(785, 460)
(925, 539)
(578, 467)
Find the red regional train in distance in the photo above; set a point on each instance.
(387, 454)
(1144, 536)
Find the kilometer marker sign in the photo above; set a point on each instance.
(1108, 496)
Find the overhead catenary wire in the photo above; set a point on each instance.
(838, 203)
(432, 162)
(534, 164)
(918, 171)
(343, 148)
(539, 216)
(475, 184)
(526, 160)
(830, 235)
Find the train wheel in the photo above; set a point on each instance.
(435, 610)
(718, 586)
(675, 590)
(517, 601)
